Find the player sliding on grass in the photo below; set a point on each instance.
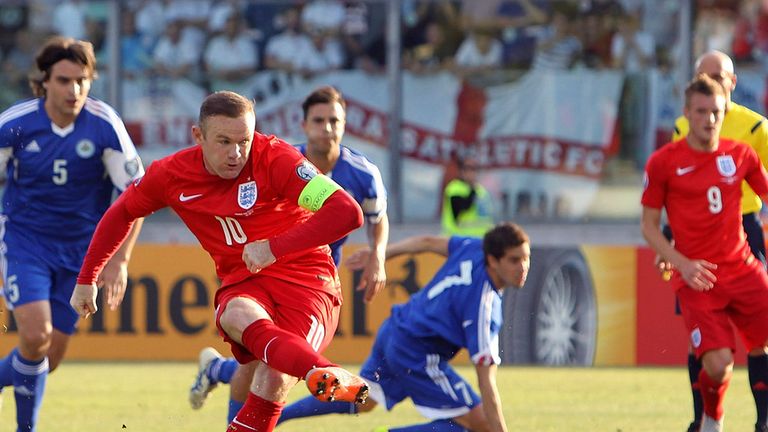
(266, 216)
(718, 281)
(459, 308)
(324, 123)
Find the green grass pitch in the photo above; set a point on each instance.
(152, 397)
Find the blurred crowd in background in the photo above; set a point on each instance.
(210, 45)
(214, 42)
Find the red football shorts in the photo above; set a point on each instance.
(742, 301)
(309, 312)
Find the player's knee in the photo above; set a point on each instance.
(34, 342)
(474, 420)
(718, 364)
(239, 314)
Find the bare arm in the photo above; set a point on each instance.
(489, 392)
(419, 244)
(374, 275)
(696, 273)
(410, 245)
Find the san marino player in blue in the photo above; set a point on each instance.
(324, 123)
(459, 308)
(63, 154)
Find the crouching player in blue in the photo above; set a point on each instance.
(324, 125)
(459, 308)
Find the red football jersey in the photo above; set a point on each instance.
(224, 215)
(701, 192)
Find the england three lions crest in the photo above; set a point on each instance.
(246, 195)
(726, 166)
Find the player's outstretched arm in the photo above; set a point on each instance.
(410, 245)
(489, 392)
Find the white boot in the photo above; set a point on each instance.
(708, 424)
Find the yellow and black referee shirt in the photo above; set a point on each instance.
(740, 124)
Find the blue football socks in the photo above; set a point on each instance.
(309, 406)
(6, 370)
(221, 370)
(28, 387)
(234, 408)
(435, 426)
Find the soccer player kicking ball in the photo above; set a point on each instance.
(717, 279)
(459, 308)
(324, 123)
(266, 216)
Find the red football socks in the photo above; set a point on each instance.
(712, 393)
(281, 350)
(257, 415)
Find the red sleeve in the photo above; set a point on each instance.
(147, 195)
(654, 182)
(338, 216)
(110, 233)
(756, 177)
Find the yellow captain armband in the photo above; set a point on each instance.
(316, 192)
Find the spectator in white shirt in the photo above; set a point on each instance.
(281, 49)
(194, 17)
(479, 52)
(632, 49)
(176, 57)
(231, 57)
(69, 19)
(324, 15)
(150, 20)
(323, 54)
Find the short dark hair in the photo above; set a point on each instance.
(56, 49)
(705, 85)
(224, 103)
(323, 95)
(502, 237)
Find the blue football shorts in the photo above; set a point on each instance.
(398, 368)
(35, 270)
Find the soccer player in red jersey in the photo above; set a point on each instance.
(265, 215)
(717, 280)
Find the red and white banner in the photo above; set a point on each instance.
(542, 140)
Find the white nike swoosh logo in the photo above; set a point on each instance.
(466, 323)
(184, 198)
(265, 349)
(684, 171)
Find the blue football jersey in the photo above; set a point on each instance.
(361, 179)
(459, 308)
(61, 180)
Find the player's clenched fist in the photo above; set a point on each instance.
(84, 299)
(257, 255)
